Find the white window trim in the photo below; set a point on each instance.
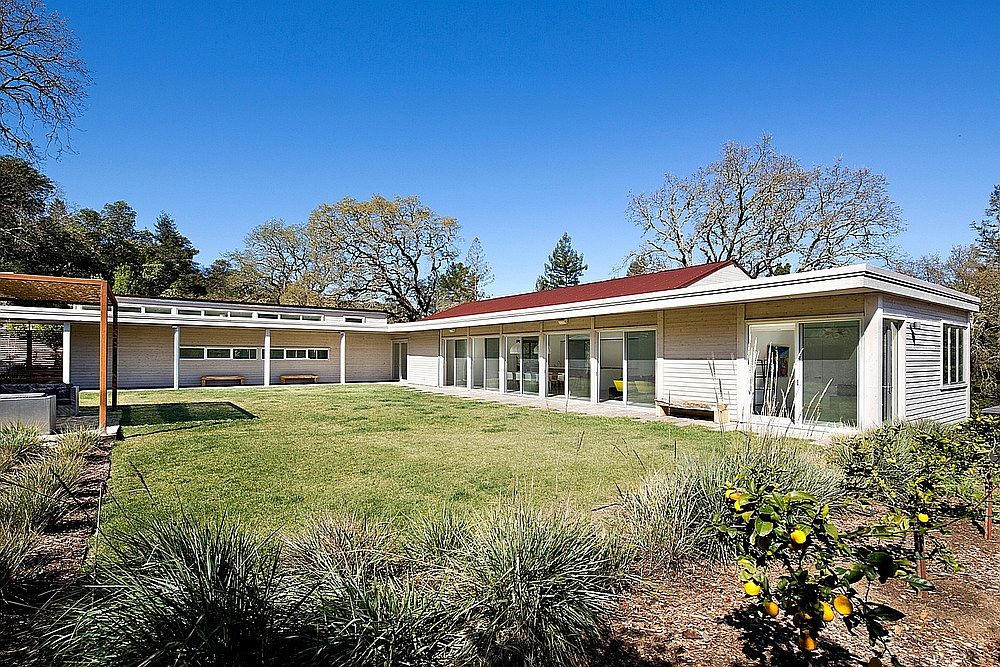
(963, 329)
(205, 348)
(283, 357)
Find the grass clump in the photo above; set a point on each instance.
(179, 592)
(669, 517)
(18, 442)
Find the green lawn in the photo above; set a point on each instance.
(276, 456)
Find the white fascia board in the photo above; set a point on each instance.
(227, 305)
(149, 319)
(844, 280)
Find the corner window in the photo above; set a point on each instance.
(953, 355)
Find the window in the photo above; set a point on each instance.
(267, 316)
(312, 318)
(216, 313)
(192, 353)
(355, 320)
(188, 311)
(286, 316)
(295, 354)
(157, 310)
(244, 353)
(218, 353)
(953, 355)
(277, 353)
(319, 354)
(240, 313)
(129, 309)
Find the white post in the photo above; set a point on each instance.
(177, 357)
(66, 353)
(543, 363)
(343, 357)
(503, 362)
(595, 369)
(267, 357)
(468, 362)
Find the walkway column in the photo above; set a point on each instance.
(543, 362)
(177, 357)
(267, 357)
(65, 353)
(595, 370)
(343, 357)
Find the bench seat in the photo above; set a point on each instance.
(237, 379)
(299, 378)
(720, 411)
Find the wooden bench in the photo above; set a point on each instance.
(720, 411)
(299, 378)
(238, 379)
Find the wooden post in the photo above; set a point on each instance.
(114, 356)
(102, 382)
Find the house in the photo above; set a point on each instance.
(848, 347)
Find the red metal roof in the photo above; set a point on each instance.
(603, 289)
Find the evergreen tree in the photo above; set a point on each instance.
(989, 228)
(564, 267)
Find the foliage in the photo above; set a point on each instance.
(669, 517)
(977, 443)
(16, 563)
(909, 473)
(40, 491)
(389, 251)
(563, 268)
(766, 210)
(18, 442)
(795, 559)
(178, 592)
(537, 588)
(41, 78)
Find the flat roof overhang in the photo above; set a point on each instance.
(855, 279)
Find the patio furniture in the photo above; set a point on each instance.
(720, 411)
(225, 380)
(67, 395)
(36, 409)
(299, 378)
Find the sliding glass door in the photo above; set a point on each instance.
(627, 367)
(455, 368)
(830, 372)
(556, 361)
(399, 360)
(522, 365)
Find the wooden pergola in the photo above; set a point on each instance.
(92, 291)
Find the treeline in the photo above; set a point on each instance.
(389, 253)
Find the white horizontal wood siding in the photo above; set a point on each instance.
(726, 274)
(925, 396)
(145, 356)
(369, 357)
(328, 370)
(699, 352)
(193, 369)
(422, 358)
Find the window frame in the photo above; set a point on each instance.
(954, 346)
(254, 354)
(308, 353)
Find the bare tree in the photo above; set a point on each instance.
(767, 212)
(391, 251)
(41, 78)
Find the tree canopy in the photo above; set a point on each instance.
(564, 267)
(41, 78)
(766, 211)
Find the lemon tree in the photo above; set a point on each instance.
(804, 570)
(978, 448)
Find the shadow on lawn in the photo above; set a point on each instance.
(146, 417)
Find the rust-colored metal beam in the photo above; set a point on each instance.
(102, 382)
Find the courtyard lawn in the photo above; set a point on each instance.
(276, 456)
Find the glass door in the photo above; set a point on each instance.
(578, 365)
(478, 363)
(513, 370)
(492, 371)
(830, 372)
(612, 361)
(640, 368)
(455, 369)
(890, 370)
(399, 360)
(773, 355)
(557, 365)
(522, 365)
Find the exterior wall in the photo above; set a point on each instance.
(726, 274)
(924, 396)
(853, 304)
(328, 370)
(699, 355)
(193, 369)
(422, 358)
(369, 357)
(145, 356)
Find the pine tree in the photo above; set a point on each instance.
(988, 229)
(564, 267)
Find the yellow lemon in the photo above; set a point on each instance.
(733, 494)
(923, 518)
(798, 536)
(843, 605)
(751, 588)
(771, 608)
(807, 643)
(827, 612)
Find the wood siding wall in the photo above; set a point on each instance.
(925, 396)
(145, 356)
(422, 358)
(699, 355)
(369, 357)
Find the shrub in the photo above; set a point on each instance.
(40, 491)
(669, 518)
(537, 588)
(436, 541)
(180, 592)
(16, 563)
(348, 543)
(799, 563)
(18, 442)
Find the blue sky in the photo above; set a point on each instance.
(523, 121)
